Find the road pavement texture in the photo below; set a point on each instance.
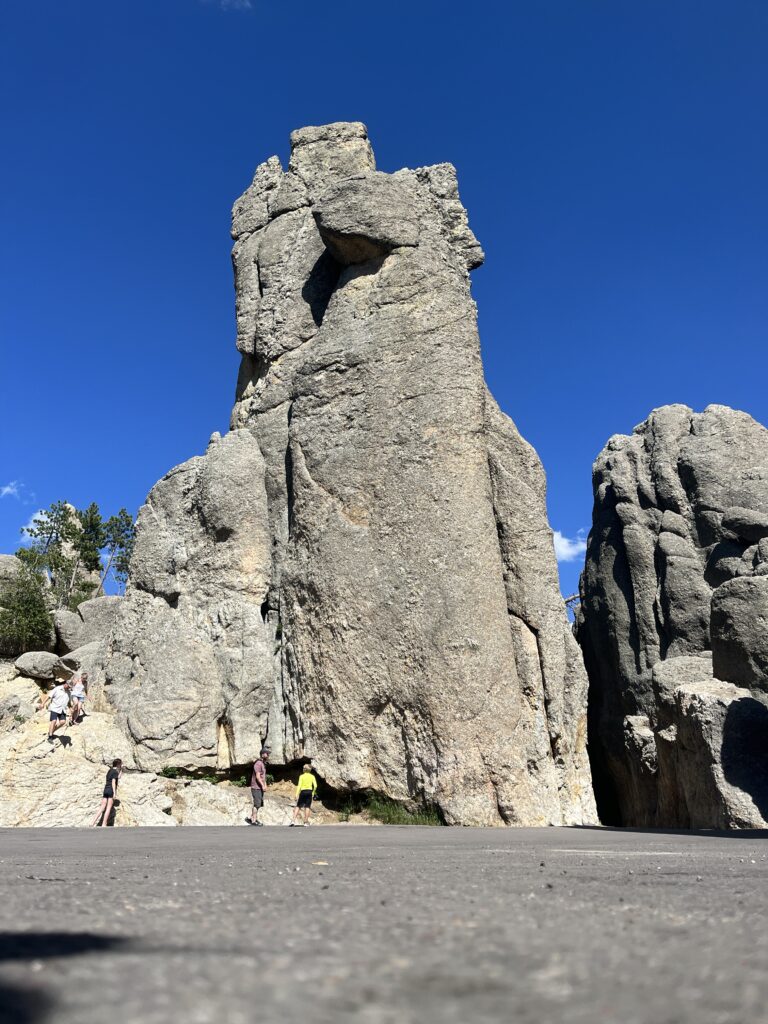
(382, 925)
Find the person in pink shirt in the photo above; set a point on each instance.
(258, 786)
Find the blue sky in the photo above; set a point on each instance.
(612, 155)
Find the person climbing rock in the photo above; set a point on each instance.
(258, 786)
(58, 699)
(109, 794)
(305, 793)
(79, 693)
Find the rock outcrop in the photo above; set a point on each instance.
(361, 571)
(10, 566)
(673, 621)
(60, 784)
(91, 621)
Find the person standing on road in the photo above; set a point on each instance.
(79, 693)
(109, 794)
(305, 792)
(258, 786)
(58, 699)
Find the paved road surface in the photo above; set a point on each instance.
(382, 926)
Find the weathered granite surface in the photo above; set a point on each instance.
(673, 621)
(361, 571)
(92, 621)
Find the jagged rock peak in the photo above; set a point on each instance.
(361, 571)
(673, 593)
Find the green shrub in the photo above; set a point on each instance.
(172, 772)
(385, 810)
(25, 622)
(390, 812)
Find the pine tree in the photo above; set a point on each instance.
(25, 622)
(120, 535)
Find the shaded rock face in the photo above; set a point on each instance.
(361, 571)
(673, 619)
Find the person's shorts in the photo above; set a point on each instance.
(107, 794)
(79, 697)
(58, 716)
(258, 796)
(305, 798)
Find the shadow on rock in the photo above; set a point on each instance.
(20, 1005)
(23, 1005)
(745, 750)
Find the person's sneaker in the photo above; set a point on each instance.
(50, 739)
(248, 821)
(259, 823)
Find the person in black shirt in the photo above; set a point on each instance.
(109, 794)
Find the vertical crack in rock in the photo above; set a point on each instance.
(326, 552)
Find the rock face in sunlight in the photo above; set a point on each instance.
(361, 571)
(674, 622)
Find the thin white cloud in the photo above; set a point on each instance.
(231, 5)
(568, 549)
(25, 538)
(10, 490)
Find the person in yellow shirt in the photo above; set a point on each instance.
(305, 792)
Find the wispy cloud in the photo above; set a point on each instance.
(25, 538)
(231, 5)
(568, 549)
(10, 490)
(18, 489)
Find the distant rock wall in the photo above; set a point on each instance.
(361, 571)
(674, 621)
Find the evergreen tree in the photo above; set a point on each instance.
(25, 622)
(120, 535)
(77, 550)
(91, 538)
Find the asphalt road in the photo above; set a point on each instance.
(382, 925)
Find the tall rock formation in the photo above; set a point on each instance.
(674, 621)
(361, 571)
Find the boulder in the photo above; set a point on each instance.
(91, 621)
(721, 763)
(674, 577)
(361, 571)
(37, 664)
(740, 632)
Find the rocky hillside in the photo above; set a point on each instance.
(60, 784)
(674, 622)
